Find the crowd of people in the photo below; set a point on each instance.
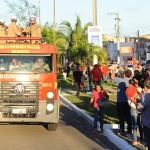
(32, 29)
(133, 96)
(93, 74)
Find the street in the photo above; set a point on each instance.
(73, 133)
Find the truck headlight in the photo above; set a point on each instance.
(50, 94)
(50, 107)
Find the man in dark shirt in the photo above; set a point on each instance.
(77, 74)
(122, 106)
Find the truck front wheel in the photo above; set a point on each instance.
(52, 126)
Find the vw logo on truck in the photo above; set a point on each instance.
(19, 89)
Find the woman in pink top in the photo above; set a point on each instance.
(98, 111)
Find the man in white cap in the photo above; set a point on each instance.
(2, 30)
(12, 29)
(34, 29)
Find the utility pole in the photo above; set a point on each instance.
(95, 12)
(39, 13)
(117, 29)
(95, 59)
(54, 20)
(138, 45)
(117, 25)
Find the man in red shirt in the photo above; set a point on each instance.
(96, 75)
(105, 70)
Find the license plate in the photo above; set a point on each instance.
(19, 111)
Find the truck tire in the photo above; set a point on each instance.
(52, 126)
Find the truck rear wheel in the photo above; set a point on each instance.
(52, 126)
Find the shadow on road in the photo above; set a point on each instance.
(70, 118)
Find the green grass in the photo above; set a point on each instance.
(83, 102)
(67, 84)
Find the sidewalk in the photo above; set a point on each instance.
(108, 128)
(111, 91)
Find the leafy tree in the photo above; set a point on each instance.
(74, 37)
(57, 38)
(22, 9)
(78, 48)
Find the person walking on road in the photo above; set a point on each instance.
(77, 74)
(122, 106)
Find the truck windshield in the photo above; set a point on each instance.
(19, 63)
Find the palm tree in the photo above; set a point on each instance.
(76, 38)
(73, 43)
(57, 38)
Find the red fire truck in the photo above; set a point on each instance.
(29, 93)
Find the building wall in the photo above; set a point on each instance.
(113, 48)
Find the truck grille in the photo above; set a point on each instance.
(19, 95)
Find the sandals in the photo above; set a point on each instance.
(134, 143)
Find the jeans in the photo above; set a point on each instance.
(140, 126)
(134, 116)
(96, 83)
(89, 87)
(98, 116)
(123, 110)
(77, 88)
(105, 77)
(136, 122)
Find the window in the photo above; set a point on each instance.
(26, 63)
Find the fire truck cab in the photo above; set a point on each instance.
(28, 84)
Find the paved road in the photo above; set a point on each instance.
(73, 133)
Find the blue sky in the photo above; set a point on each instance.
(134, 14)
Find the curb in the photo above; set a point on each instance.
(119, 142)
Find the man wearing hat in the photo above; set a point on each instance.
(34, 29)
(12, 29)
(2, 30)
